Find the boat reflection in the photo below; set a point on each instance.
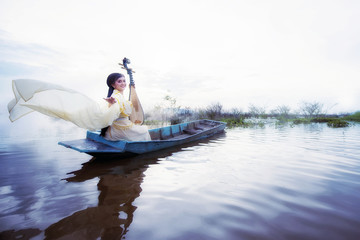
(119, 186)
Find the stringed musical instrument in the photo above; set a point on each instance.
(137, 114)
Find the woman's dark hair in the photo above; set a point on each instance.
(110, 81)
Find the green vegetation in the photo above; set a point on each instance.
(301, 121)
(236, 122)
(337, 123)
(322, 119)
(354, 117)
(169, 113)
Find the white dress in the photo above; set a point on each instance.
(56, 101)
(122, 127)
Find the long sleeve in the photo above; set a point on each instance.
(57, 101)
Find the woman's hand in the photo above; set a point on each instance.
(110, 100)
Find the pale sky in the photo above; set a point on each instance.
(266, 53)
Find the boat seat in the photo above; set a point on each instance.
(190, 131)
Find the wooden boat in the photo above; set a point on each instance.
(162, 138)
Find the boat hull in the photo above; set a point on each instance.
(162, 138)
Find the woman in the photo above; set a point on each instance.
(56, 101)
(122, 127)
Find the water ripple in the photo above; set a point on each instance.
(299, 182)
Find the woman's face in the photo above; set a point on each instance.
(120, 84)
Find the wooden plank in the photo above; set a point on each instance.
(115, 144)
(87, 146)
(154, 134)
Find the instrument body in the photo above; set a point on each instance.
(137, 114)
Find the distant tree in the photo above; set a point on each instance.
(311, 109)
(171, 110)
(171, 102)
(281, 110)
(199, 113)
(236, 112)
(164, 111)
(214, 110)
(257, 111)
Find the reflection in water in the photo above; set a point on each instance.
(119, 186)
(293, 182)
(114, 213)
(21, 234)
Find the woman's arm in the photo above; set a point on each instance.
(110, 100)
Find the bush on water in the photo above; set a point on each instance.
(337, 123)
(354, 117)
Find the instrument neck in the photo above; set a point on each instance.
(132, 83)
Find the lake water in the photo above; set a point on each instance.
(291, 182)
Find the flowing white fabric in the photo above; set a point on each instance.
(56, 101)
